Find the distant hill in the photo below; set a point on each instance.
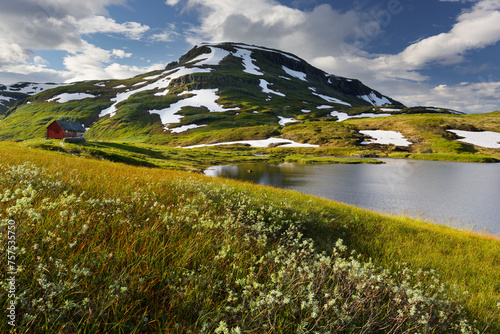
(214, 92)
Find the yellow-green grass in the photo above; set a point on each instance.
(155, 256)
(428, 132)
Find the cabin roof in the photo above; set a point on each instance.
(71, 126)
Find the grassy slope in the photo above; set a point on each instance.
(154, 255)
(138, 154)
(426, 131)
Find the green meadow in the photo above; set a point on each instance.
(107, 247)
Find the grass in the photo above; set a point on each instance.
(189, 159)
(106, 247)
(308, 159)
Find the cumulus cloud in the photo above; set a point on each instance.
(94, 63)
(268, 23)
(101, 24)
(399, 75)
(475, 29)
(28, 25)
(120, 53)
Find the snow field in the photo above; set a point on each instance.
(375, 100)
(332, 99)
(342, 116)
(385, 137)
(259, 143)
(250, 67)
(200, 98)
(158, 84)
(184, 128)
(296, 74)
(32, 88)
(264, 86)
(66, 97)
(283, 120)
(486, 139)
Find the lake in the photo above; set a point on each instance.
(460, 195)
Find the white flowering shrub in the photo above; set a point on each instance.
(187, 256)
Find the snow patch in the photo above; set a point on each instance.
(342, 116)
(120, 86)
(248, 47)
(324, 106)
(202, 97)
(31, 88)
(306, 110)
(375, 100)
(260, 143)
(385, 138)
(100, 84)
(486, 139)
(186, 127)
(332, 99)
(250, 67)
(264, 86)
(213, 58)
(152, 77)
(283, 120)
(389, 109)
(158, 84)
(296, 74)
(6, 98)
(66, 97)
(370, 115)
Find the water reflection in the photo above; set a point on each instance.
(462, 195)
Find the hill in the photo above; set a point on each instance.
(109, 248)
(252, 92)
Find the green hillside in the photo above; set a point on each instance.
(211, 88)
(219, 93)
(109, 248)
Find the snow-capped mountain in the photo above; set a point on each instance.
(10, 94)
(212, 87)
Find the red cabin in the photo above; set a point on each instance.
(64, 129)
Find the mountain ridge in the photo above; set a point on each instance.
(213, 87)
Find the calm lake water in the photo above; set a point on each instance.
(461, 195)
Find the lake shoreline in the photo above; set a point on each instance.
(457, 195)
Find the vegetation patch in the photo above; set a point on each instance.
(105, 247)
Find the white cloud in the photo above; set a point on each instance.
(268, 23)
(161, 37)
(29, 25)
(101, 24)
(399, 75)
(475, 29)
(121, 53)
(167, 35)
(95, 63)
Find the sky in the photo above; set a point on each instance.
(442, 53)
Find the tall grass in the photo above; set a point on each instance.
(104, 247)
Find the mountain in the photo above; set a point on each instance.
(215, 92)
(10, 94)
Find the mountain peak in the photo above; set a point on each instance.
(213, 86)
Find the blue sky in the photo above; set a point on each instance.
(434, 52)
